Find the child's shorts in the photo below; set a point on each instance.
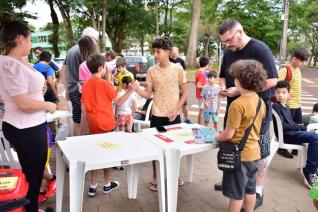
(210, 115)
(236, 184)
(200, 103)
(124, 119)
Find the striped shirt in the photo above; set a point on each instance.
(295, 86)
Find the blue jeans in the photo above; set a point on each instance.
(300, 137)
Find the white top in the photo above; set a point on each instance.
(126, 106)
(16, 78)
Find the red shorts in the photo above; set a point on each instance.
(124, 119)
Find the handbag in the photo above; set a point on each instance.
(229, 154)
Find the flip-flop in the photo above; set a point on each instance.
(180, 182)
(153, 188)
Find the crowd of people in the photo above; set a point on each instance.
(103, 96)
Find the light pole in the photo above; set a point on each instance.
(283, 43)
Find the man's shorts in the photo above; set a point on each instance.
(124, 119)
(210, 115)
(200, 103)
(236, 184)
(75, 98)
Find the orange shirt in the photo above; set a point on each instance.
(97, 96)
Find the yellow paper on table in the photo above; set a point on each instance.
(108, 145)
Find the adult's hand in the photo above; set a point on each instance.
(230, 92)
(50, 107)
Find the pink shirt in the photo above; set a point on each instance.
(17, 78)
(84, 73)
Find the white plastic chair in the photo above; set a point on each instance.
(274, 144)
(283, 145)
(9, 157)
(146, 122)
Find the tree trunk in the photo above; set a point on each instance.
(142, 41)
(92, 16)
(206, 45)
(66, 21)
(157, 19)
(103, 42)
(193, 40)
(55, 35)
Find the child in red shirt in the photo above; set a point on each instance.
(97, 97)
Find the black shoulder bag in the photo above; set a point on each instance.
(229, 155)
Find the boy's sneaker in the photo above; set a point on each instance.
(51, 187)
(188, 121)
(285, 153)
(113, 186)
(309, 178)
(92, 191)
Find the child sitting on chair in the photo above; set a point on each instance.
(297, 134)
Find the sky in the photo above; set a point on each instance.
(42, 10)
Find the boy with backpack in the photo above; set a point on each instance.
(292, 74)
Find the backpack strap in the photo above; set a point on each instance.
(289, 73)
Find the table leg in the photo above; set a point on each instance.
(190, 167)
(130, 180)
(135, 181)
(77, 175)
(172, 172)
(161, 184)
(60, 172)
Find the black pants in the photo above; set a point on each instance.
(31, 146)
(157, 121)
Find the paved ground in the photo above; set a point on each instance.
(284, 187)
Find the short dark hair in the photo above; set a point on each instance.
(9, 32)
(94, 62)
(111, 53)
(126, 80)
(227, 25)
(162, 43)
(283, 84)
(212, 74)
(45, 56)
(250, 74)
(301, 54)
(38, 48)
(87, 47)
(315, 108)
(203, 61)
(121, 62)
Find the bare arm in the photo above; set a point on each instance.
(62, 72)
(270, 83)
(52, 86)
(29, 105)
(134, 107)
(226, 134)
(144, 93)
(119, 100)
(183, 98)
(222, 84)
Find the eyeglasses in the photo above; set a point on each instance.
(229, 41)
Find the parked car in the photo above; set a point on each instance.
(137, 65)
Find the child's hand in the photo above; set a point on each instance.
(218, 111)
(206, 104)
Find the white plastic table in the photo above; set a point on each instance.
(173, 152)
(85, 153)
(57, 114)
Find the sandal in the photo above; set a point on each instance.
(153, 187)
(180, 182)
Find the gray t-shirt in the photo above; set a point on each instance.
(211, 94)
(73, 61)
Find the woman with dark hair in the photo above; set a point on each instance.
(87, 47)
(24, 121)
